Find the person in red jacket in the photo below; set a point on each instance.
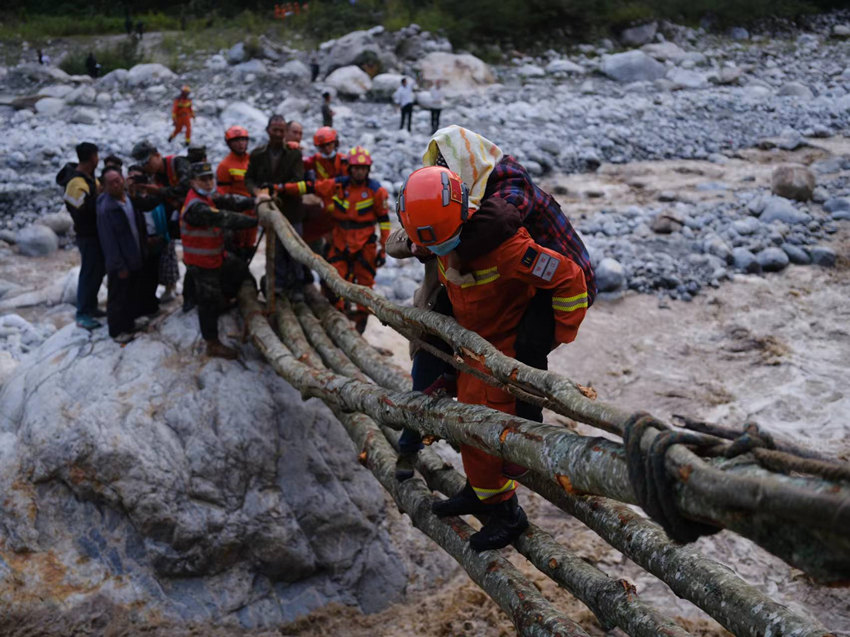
(359, 203)
(216, 275)
(230, 180)
(490, 288)
(182, 115)
(326, 163)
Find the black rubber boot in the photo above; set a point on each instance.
(465, 502)
(404, 466)
(507, 522)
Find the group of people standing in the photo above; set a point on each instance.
(499, 256)
(405, 99)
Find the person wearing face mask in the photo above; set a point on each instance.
(326, 163)
(491, 275)
(359, 203)
(230, 177)
(217, 275)
(505, 198)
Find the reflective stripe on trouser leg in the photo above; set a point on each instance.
(484, 473)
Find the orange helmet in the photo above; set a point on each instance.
(235, 132)
(433, 205)
(185, 89)
(359, 156)
(325, 135)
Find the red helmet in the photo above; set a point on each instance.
(325, 135)
(359, 156)
(433, 205)
(235, 132)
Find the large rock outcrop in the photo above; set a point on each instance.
(181, 486)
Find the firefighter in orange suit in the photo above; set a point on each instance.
(490, 283)
(182, 115)
(230, 180)
(359, 203)
(326, 163)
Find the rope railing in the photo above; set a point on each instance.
(325, 358)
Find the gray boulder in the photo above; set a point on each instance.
(210, 489)
(840, 31)
(632, 66)
(739, 33)
(823, 256)
(665, 51)
(236, 53)
(150, 74)
(296, 69)
(772, 259)
(85, 95)
(243, 114)
(35, 72)
(530, 70)
(684, 78)
(404, 288)
(610, 275)
(356, 48)
(460, 72)
(793, 182)
(49, 106)
(350, 81)
(779, 209)
(836, 203)
(795, 89)
(216, 62)
(84, 115)
(36, 241)
(60, 222)
(796, 254)
(745, 261)
(564, 67)
(251, 67)
(639, 35)
(114, 79)
(385, 84)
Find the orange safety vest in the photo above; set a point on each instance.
(170, 173)
(493, 291)
(203, 246)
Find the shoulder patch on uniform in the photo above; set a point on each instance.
(528, 257)
(546, 266)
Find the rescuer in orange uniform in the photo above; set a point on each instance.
(490, 288)
(182, 115)
(326, 163)
(230, 179)
(358, 204)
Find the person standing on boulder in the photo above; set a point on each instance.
(273, 166)
(81, 193)
(122, 234)
(230, 177)
(182, 115)
(327, 112)
(492, 273)
(217, 275)
(403, 97)
(359, 204)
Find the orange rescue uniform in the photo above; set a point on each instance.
(489, 298)
(318, 226)
(355, 211)
(182, 114)
(230, 177)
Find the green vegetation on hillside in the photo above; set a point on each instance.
(522, 23)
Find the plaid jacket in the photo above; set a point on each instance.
(541, 214)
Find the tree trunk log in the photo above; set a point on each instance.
(711, 586)
(827, 514)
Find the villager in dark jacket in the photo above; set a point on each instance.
(80, 195)
(122, 235)
(271, 166)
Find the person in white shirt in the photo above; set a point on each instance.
(403, 97)
(436, 105)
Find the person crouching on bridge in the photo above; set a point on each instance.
(217, 275)
(358, 204)
(490, 289)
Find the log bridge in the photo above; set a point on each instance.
(690, 480)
